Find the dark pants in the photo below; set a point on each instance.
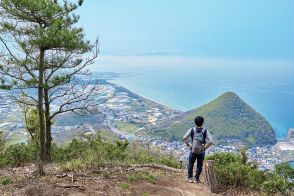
(192, 159)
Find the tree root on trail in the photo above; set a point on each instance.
(154, 166)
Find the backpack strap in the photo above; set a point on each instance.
(192, 134)
(204, 132)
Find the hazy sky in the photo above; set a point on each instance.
(231, 29)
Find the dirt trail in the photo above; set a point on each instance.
(112, 183)
(105, 187)
(171, 185)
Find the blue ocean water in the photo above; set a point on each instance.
(270, 90)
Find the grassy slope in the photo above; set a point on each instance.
(127, 127)
(227, 117)
(108, 135)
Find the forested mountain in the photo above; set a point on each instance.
(228, 118)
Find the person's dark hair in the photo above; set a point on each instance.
(199, 120)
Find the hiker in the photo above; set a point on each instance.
(201, 140)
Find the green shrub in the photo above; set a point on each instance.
(229, 168)
(169, 161)
(73, 150)
(133, 177)
(3, 162)
(280, 181)
(224, 158)
(125, 186)
(2, 141)
(255, 178)
(141, 175)
(5, 181)
(233, 170)
(16, 154)
(138, 154)
(19, 154)
(73, 165)
(147, 176)
(273, 184)
(93, 153)
(32, 150)
(98, 153)
(285, 170)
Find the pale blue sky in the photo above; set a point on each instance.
(245, 46)
(231, 29)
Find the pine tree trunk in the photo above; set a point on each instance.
(210, 176)
(48, 125)
(41, 114)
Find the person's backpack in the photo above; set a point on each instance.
(198, 137)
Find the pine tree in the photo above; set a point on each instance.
(45, 54)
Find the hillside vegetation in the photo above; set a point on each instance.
(228, 118)
(97, 166)
(234, 170)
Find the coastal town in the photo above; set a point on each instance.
(266, 157)
(129, 115)
(121, 105)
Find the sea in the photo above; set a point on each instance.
(269, 88)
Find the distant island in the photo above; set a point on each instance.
(229, 119)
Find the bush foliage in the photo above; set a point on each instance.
(139, 175)
(98, 153)
(87, 154)
(19, 154)
(232, 170)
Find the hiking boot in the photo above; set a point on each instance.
(197, 181)
(190, 180)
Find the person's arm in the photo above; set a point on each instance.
(207, 145)
(186, 138)
(187, 143)
(209, 140)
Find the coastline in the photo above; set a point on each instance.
(112, 82)
(143, 97)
